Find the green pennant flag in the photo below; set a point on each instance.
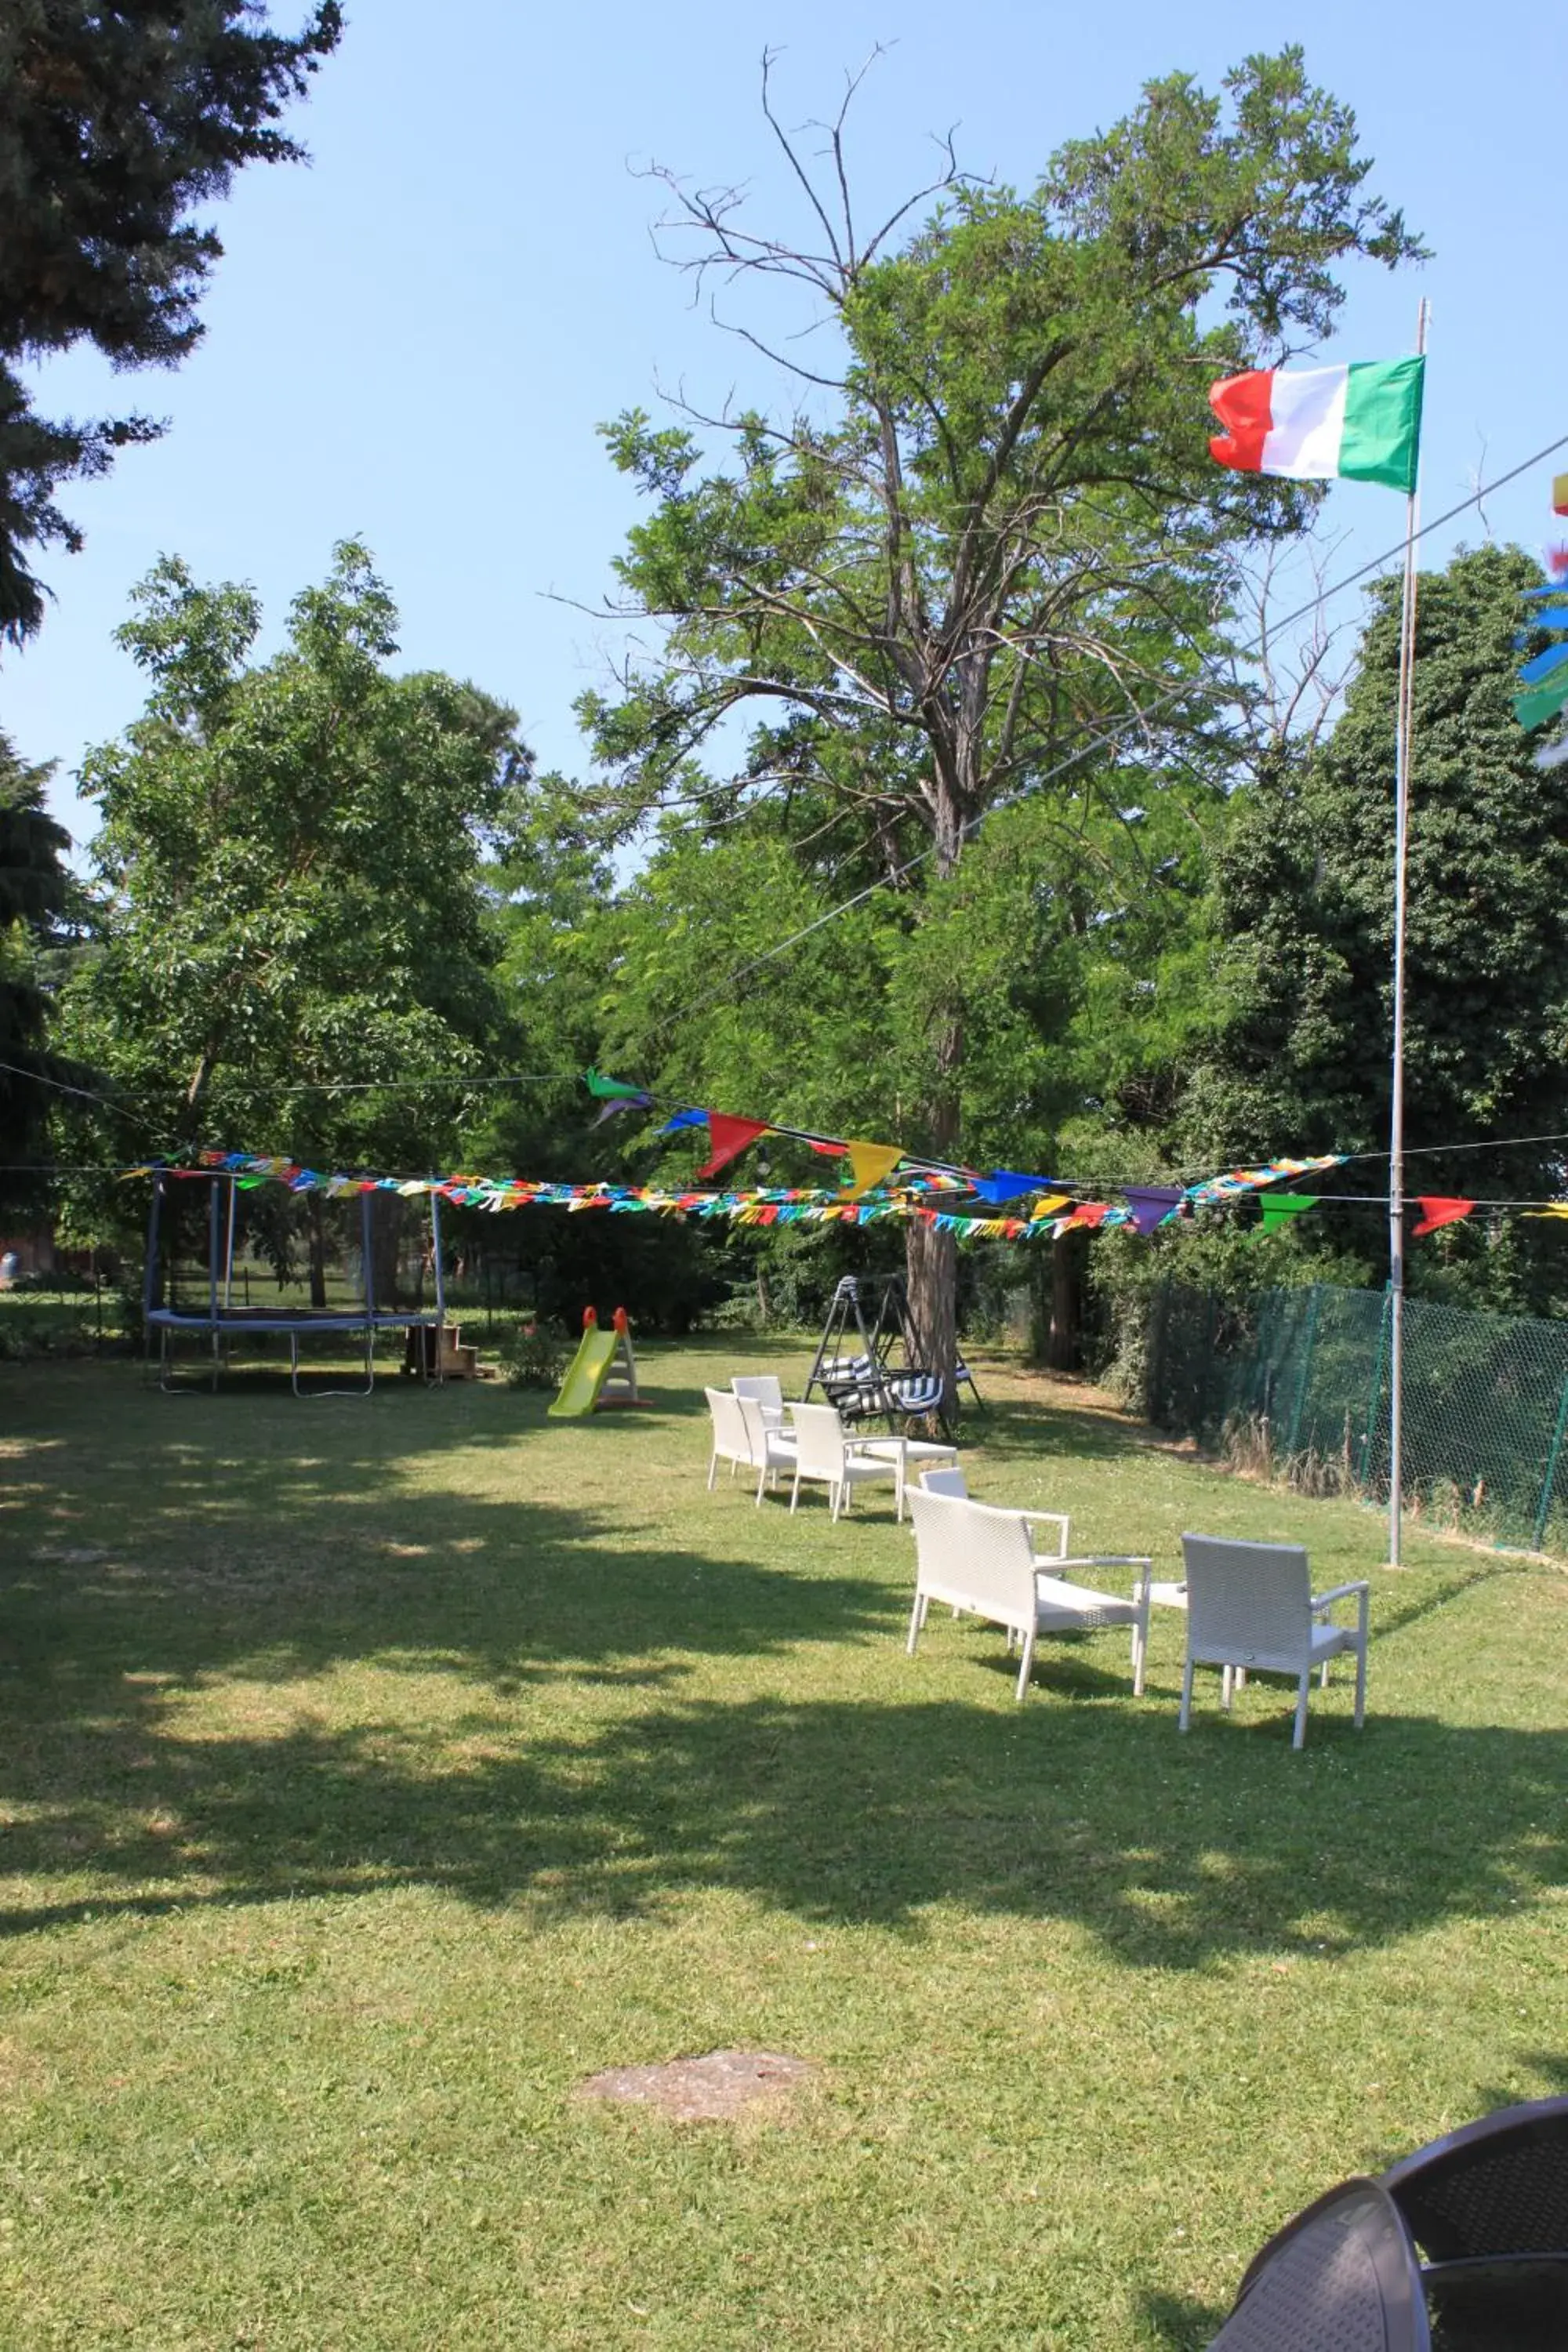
(608, 1089)
(1279, 1208)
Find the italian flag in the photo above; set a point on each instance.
(1363, 422)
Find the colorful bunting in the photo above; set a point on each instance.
(729, 1137)
(1006, 1184)
(609, 1089)
(1439, 1209)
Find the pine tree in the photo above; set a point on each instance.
(115, 121)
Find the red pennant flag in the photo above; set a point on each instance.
(1437, 1209)
(728, 1137)
(1091, 1214)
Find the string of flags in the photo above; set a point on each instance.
(944, 1199)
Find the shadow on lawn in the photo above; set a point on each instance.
(235, 1553)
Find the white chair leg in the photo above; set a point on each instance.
(835, 1496)
(712, 1468)
(1184, 1719)
(1323, 1677)
(1141, 1646)
(1360, 1686)
(795, 1491)
(762, 1482)
(1228, 1678)
(917, 1618)
(1300, 1738)
(1026, 1666)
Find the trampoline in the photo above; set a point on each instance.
(221, 1322)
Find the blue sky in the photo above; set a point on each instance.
(414, 338)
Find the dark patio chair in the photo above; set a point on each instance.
(1487, 2206)
(1342, 2278)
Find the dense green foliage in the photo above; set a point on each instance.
(115, 125)
(35, 905)
(293, 922)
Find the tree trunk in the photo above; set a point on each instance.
(387, 1210)
(931, 1258)
(1064, 1349)
(315, 1226)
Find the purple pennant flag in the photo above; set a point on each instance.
(622, 1102)
(1150, 1204)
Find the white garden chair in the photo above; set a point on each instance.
(827, 1457)
(982, 1560)
(768, 1391)
(953, 1481)
(770, 1450)
(1251, 1606)
(731, 1442)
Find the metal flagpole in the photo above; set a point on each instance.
(1403, 718)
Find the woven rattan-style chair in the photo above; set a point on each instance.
(1251, 1605)
(770, 1450)
(1342, 2278)
(768, 1390)
(824, 1453)
(982, 1560)
(1488, 2206)
(731, 1442)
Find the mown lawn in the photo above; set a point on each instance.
(371, 1773)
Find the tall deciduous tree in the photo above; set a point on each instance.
(1304, 902)
(115, 123)
(983, 522)
(294, 923)
(35, 902)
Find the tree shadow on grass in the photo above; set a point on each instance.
(1080, 1807)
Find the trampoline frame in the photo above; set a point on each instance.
(223, 1320)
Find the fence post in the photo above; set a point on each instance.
(1308, 1344)
(1376, 1389)
(1549, 1478)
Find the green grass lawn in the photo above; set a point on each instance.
(374, 1772)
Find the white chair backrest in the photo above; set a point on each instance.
(819, 1441)
(946, 1482)
(968, 1547)
(754, 1426)
(729, 1435)
(763, 1386)
(1251, 1598)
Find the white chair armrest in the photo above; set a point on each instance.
(1340, 1592)
(1105, 1559)
(1057, 1520)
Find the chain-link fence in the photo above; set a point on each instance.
(1296, 1384)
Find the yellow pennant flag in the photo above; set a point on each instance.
(871, 1162)
(1049, 1207)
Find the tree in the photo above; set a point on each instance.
(989, 528)
(37, 898)
(296, 949)
(115, 123)
(1304, 901)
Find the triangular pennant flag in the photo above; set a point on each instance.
(613, 1108)
(825, 1149)
(1280, 1207)
(607, 1089)
(871, 1162)
(1439, 1209)
(728, 1136)
(1089, 1212)
(1049, 1206)
(684, 1118)
(1150, 1204)
(1006, 1184)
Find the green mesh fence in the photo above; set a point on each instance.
(1296, 1384)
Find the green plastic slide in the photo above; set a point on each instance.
(585, 1379)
